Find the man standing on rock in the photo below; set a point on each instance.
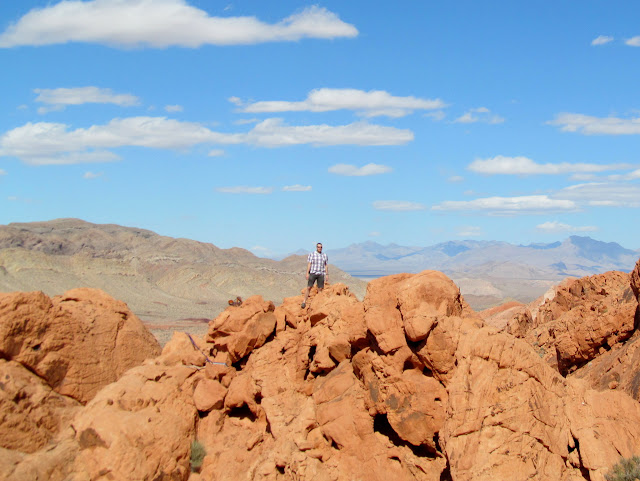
(317, 270)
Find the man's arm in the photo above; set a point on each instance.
(308, 269)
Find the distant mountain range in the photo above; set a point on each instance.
(490, 272)
(576, 256)
(164, 279)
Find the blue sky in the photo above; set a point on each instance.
(272, 125)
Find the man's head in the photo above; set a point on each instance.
(319, 247)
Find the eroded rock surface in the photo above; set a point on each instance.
(31, 413)
(409, 384)
(431, 393)
(77, 342)
(577, 320)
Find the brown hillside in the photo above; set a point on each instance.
(165, 281)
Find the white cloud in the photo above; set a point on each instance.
(215, 153)
(501, 164)
(92, 175)
(480, 114)
(469, 231)
(607, 194)
(3, 172)
(633, 175)
(397, 205)
(58, 99)
(368, 104)
(589, 125)
(558, 227)
(531, 204)
(352, 170)
(296, 188)
(242, 189)
(246, 121)
(161, 24)
(52, 143)
(583, 177)
(601, 40)
(274, 133)
(456, 178)
(466, 118)
(630, 176)
(173, 108)
(633, 42)
(374, 234)
(437, 115)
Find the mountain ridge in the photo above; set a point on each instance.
(577, 253)
(164, 280)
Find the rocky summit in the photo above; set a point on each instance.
(408, 384)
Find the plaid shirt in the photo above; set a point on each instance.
(317, 261)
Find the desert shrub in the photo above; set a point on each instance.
(625, 470)
(197, 456)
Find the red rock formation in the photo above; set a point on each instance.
(618, 368)
(77, 342)
(139, 427)
(31, 414)
(407, 385)
(585, 319)
(499, 316)
(435, 391)
(635, 281)
(238, 331)
(577, 320)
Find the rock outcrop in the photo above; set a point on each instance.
(31, 413)
(409, 384)
(618, 368)
(430, 393)
(576, 320)
(77, 342)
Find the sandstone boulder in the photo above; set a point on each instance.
(585, 319)
(406, 306)
(239, 330)
(617, 369)
(635, 281)
(77, 342)
(577, 320)
(140, 427)
(31, 413)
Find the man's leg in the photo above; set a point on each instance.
(306, 296)
(312, 279)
